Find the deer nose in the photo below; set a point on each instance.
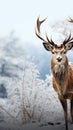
(59, 59)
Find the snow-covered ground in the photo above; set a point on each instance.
(52, 117)
(46, 127)
(27, 102)
(37, 126)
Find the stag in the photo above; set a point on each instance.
(62, 71)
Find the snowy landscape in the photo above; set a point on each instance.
(27, 98)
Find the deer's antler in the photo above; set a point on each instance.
(37, 31)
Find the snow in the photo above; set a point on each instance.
(48, 109)
(46, 127)
(31, 102)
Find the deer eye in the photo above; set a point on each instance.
(64, 52)
(53, 52)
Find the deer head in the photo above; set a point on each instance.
(59, 61)
(49, 44)
(61, 70)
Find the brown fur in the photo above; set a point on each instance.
(62, 79)
(63, 83)
(61, 70)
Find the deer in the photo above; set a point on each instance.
(61, 69)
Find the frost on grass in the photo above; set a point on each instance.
(30, 99)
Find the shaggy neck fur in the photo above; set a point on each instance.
(60, 75)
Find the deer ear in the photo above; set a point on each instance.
(69, 46)
(48, 46)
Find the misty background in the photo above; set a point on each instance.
(26, 92)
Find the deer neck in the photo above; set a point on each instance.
(60, 74)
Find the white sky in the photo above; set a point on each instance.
(20, 15)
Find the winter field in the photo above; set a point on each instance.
(28, 101)
(42, 112)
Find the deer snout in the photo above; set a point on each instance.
(59, 59)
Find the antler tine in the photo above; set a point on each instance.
(70, 20)
(50, 41)
(47, 38)
(39, 23)
(67, 40)
(37, 29)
